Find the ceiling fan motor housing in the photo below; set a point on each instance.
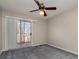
(42, 6)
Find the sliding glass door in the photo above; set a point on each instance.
(17, 33)
(23, 32)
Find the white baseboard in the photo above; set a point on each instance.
(64, 49)
(0, 52)
(18, 48)
(38, 44)
(50, 45)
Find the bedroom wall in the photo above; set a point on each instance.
(62, 31)
(0, 29)
(38, 31)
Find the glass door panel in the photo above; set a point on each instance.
(23, 31)
(27, 31)
(18, 32)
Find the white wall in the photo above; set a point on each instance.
(62, 31)
(39, 32)
(0, 29)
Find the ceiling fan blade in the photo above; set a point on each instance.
(45, 13)
(38, 3)
(34, 10)
(50, 8)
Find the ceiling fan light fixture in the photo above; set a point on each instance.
(42, 8)
(41, 12)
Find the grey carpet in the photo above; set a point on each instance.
(38, 52)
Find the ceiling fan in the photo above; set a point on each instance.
(42, 8)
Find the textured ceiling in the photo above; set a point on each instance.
(24, 6)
